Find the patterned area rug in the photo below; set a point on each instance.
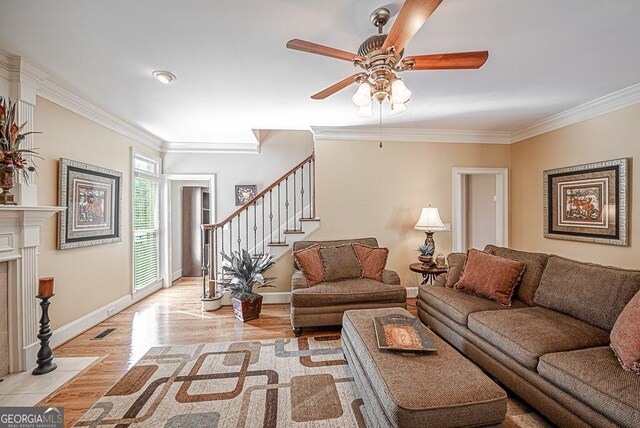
(278, 383)
(285, 383)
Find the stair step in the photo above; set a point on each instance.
(309, 219)
(277, 244)
(294, 232)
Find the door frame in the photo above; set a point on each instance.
(166, 210)
(459, 197)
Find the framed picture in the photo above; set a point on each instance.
(93, 197)
(244, 193)
(588, 203)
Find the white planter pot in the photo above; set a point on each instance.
(211, 304)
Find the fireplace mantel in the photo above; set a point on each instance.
(19, 241)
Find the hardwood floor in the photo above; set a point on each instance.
(170, 316)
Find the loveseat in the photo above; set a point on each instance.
(325, 303)
(551, 346)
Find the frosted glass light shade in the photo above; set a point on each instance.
(400, 94)
(430, 220)
(362, 97)
(398, 108)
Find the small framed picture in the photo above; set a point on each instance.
(93, 197)
(244, 193)
(588, 203)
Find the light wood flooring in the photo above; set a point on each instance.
(170, 316)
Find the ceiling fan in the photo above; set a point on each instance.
(381, 58)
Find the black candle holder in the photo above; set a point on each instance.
(45, 354)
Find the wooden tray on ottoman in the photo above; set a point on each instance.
(402, 333)
(402, 389)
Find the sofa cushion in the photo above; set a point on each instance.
(361, 290)
(592, 293)
(625, 336)
(527, 334)
(456, 305)
(595, 376)
(340, 263)
(310, 264)
(301, 245)
(490, 276)
(372, 260)
(534, 267)
(456, 265)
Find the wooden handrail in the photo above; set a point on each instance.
(260, 195)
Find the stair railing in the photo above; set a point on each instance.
(258, 225)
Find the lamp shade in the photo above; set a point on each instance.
(430, 220)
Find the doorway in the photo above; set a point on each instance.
(480, 208)
(189, 202)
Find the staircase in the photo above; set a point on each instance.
(270, 223)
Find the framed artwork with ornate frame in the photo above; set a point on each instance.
(93, 197)
(588, 203)
(244, 193)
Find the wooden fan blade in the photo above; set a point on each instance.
(337, 87)
(314, 48)
(450, 61)
(412, 16)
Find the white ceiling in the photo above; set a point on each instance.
(235, 74)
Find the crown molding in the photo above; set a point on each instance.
(607, 104)
(230, 148)
(410, 135)
(55, 93)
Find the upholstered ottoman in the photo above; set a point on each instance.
(442, 389)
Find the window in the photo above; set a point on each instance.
(146, 224)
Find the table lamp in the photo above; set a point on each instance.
(429, 222)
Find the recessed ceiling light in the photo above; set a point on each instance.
(164, 76)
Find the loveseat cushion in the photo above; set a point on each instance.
(301, 245)
(534, 267)
(528, 333)
(360, 290)
(458, 305)
(592, 293)
(595, 377)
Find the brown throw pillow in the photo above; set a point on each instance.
(490, 276)
(372, 260)
(310, 264)
(340, 263)
(456, 264)
(625, 336)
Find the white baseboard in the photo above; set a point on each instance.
(276, 297)
(76, 327)
(176, 275)
(412, 291)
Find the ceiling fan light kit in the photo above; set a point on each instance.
(381, 58)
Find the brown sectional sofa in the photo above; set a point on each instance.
(551, 347)
(325, 303)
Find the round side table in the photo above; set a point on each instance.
(429, 273)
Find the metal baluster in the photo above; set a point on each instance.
(264, 251)
(301, 195)
(255, 229)
(310, 207)
(279, 223)
(239, 234)
(271, 215)
(230, 237)
(221, 247)
(313, 162)
(286, 203)
(246, 230)
(295, 196)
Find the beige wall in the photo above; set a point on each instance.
(91, 277)
(364, 190)
(611, 136)
(4, 319)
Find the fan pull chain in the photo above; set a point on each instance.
(380, 124)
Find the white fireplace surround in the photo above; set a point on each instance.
(19, 241)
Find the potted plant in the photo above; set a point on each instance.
(426, 253)
(12, 156)
(245, 273)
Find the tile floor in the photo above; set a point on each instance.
(25, 389)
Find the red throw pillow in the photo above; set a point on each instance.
(625, 336)
(310, 264)
(372, 260)
(490, 276)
